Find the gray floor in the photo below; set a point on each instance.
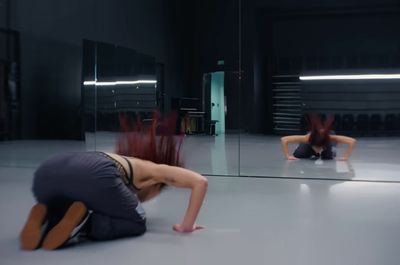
(249, 220)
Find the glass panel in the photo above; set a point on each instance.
(215, 70)
(41, 79)
(89, 106)
(126, 86)
(196, 76)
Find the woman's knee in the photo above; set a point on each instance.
(301, 154)
(140, 229)
(103, 227)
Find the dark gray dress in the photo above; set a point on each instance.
(94, 179)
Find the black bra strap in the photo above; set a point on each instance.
(130, 177)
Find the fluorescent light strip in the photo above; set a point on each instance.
(89, 83)
(104, 83)
(351, 77)
(136, 82)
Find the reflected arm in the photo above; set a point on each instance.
(345, 140)
(292, 139)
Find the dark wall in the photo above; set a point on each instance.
(213, 28)
(363, 107)
(257, 53)
(216, 37)
(186, 39)
(337, 35)
(5, 37)
(355, 97)
(4, 12)
(51, 53)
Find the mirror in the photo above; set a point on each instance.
(229, 69)
(349, 64)
(88, 92)
(194, 76)
(40, 79)
(125, 83)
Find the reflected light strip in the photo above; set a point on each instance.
(136, 82)
(89, 83)
(350, 77)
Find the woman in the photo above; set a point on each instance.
(318, 142)
(100, 194)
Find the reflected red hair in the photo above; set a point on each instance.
(320, 130)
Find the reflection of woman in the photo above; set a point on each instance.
(99, 194)
(317, 143)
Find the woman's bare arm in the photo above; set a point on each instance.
(291, 139)
(344, 140)
(184, 178)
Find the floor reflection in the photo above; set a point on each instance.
(373, 159)
(318, 169)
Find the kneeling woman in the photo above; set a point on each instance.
(317, 143)
(100, 194)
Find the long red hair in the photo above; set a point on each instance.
(320, 130)
(154, 142)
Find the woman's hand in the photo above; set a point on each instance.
(181, 229)
(291, 158)
(185, 178)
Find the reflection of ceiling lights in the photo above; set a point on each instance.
(136, 82)
(351, 77)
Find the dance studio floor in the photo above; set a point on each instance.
(296, 212)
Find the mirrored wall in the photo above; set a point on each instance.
(175, 58)
(338, 60)
(40, 79)
(230, 70)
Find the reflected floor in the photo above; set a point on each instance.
(373, 159)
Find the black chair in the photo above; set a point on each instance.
(362, 123)
(348, 123)
(212, 129)
(390, 122)
(375, 123)
(337, 123)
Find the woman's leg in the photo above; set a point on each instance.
(105, 227)
(117, 211)
(95, 181)
(69, 226)
(31, 233)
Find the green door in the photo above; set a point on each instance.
(218, 101)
